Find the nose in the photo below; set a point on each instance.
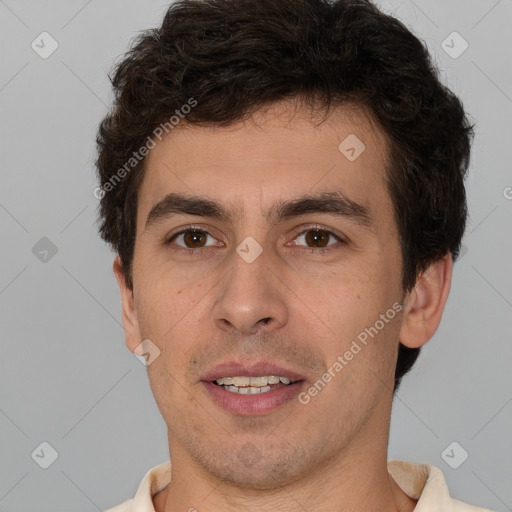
(250, 298)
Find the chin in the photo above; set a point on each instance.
(256, 479)
(250, 468)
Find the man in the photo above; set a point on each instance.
(283, 183)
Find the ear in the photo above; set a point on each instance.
(129, 312)
(425, 303)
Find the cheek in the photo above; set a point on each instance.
(338, 298)
(173, 313)
(164, 295)
(346, 307)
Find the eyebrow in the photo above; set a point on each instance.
(333, 203)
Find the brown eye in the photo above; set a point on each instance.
(194, 239)
(317, 238)
(191, 239)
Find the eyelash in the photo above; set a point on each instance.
(320, 250)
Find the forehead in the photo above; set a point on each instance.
(279, 153)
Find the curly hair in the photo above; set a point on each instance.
(234, 57)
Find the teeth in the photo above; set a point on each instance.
(251, 385)
(247, 390)
(258, 381)
(253, 382)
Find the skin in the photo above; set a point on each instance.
(204, 308)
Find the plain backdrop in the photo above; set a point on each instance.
(66, 377)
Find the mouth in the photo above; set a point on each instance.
(255, 389)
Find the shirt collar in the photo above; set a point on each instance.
(424, 483)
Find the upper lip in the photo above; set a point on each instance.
(255, 369)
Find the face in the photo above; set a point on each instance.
(275, 256)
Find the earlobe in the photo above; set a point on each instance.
(426, 302)
(129, 312)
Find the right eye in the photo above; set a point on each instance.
(191, 239)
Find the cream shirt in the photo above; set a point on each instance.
(421, 482)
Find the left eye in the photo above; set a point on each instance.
(317, 238)
(192, 239)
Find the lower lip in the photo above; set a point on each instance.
(253, 405)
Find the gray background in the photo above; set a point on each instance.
(65, 375)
